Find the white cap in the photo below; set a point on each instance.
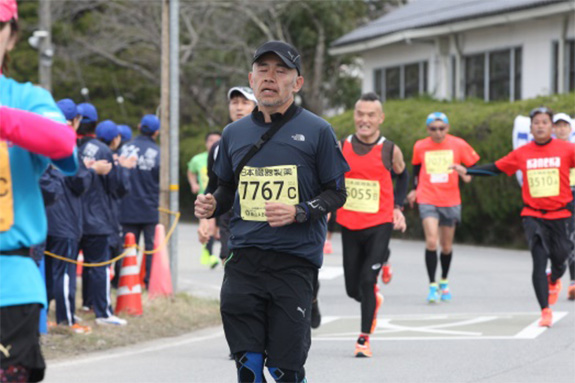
(562, 117)
(248, 93)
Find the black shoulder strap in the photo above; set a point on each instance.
(387, 154)
(263, 139)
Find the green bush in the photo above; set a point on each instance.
(491, 205)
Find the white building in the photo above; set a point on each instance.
(457, 49)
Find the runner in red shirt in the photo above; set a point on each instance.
(545, 163)
(437, 193)
(370, 213)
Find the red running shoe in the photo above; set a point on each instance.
(387, 273)
(546, 318)
(554, 289)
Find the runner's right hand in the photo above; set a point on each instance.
(204, 206)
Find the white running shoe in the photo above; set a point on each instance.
(112, 319)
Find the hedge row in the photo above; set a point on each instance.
(491, 205)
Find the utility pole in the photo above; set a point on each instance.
(45, 45)
(174, 131)
(165, 117)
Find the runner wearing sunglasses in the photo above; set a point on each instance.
(547, 203)
(436, 190)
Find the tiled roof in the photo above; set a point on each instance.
(427, 13)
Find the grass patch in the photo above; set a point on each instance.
(163, 317)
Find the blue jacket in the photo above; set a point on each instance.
(141, 205)
(123, 189)
(65, 215)
(98, 218)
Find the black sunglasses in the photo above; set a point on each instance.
(434, 129)
(543, 110)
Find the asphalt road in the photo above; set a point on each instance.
(488, 333)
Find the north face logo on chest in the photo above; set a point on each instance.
(298, 137)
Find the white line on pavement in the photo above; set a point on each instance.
(114, 355)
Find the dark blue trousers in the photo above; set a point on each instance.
(63, 277)
(96, 249)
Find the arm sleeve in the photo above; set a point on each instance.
(37, 134)
(484, 170)
(212, 178)
(401, 186)
(332, 197)
(416, 171)
(224, 195)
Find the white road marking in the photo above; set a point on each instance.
(534, 330)
(438, 331)
(155, 348)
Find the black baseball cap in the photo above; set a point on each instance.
(289, 55)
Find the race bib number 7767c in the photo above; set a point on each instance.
(268, 184)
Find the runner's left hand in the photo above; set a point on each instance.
(280, 214)
(399, 221)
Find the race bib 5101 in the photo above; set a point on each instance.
(437, 165)
(6, 196)
(268, 184)
(362, 195)
(543, 182)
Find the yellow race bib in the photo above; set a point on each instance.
(6, 197)
(362, 195)
(437, 165)
(572, 177)
(269, 184)
(543, 182)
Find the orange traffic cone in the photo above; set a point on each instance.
(129, 290)
(160, 277)
(79, 265)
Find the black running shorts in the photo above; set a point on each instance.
(20, 339)
(266, 302)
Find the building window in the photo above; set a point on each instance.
(401, 81)
(499, 75)
(392, 83)
(494, 75)
(475, 76)
(568, 67)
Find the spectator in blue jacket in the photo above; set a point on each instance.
(97, 218)
(111, 135)
(64, 230)
(139, 209)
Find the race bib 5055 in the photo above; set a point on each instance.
(362, 195)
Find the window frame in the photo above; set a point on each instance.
(380, 73)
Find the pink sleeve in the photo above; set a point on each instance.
(36, 134)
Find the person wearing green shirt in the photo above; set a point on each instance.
(198, 178)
